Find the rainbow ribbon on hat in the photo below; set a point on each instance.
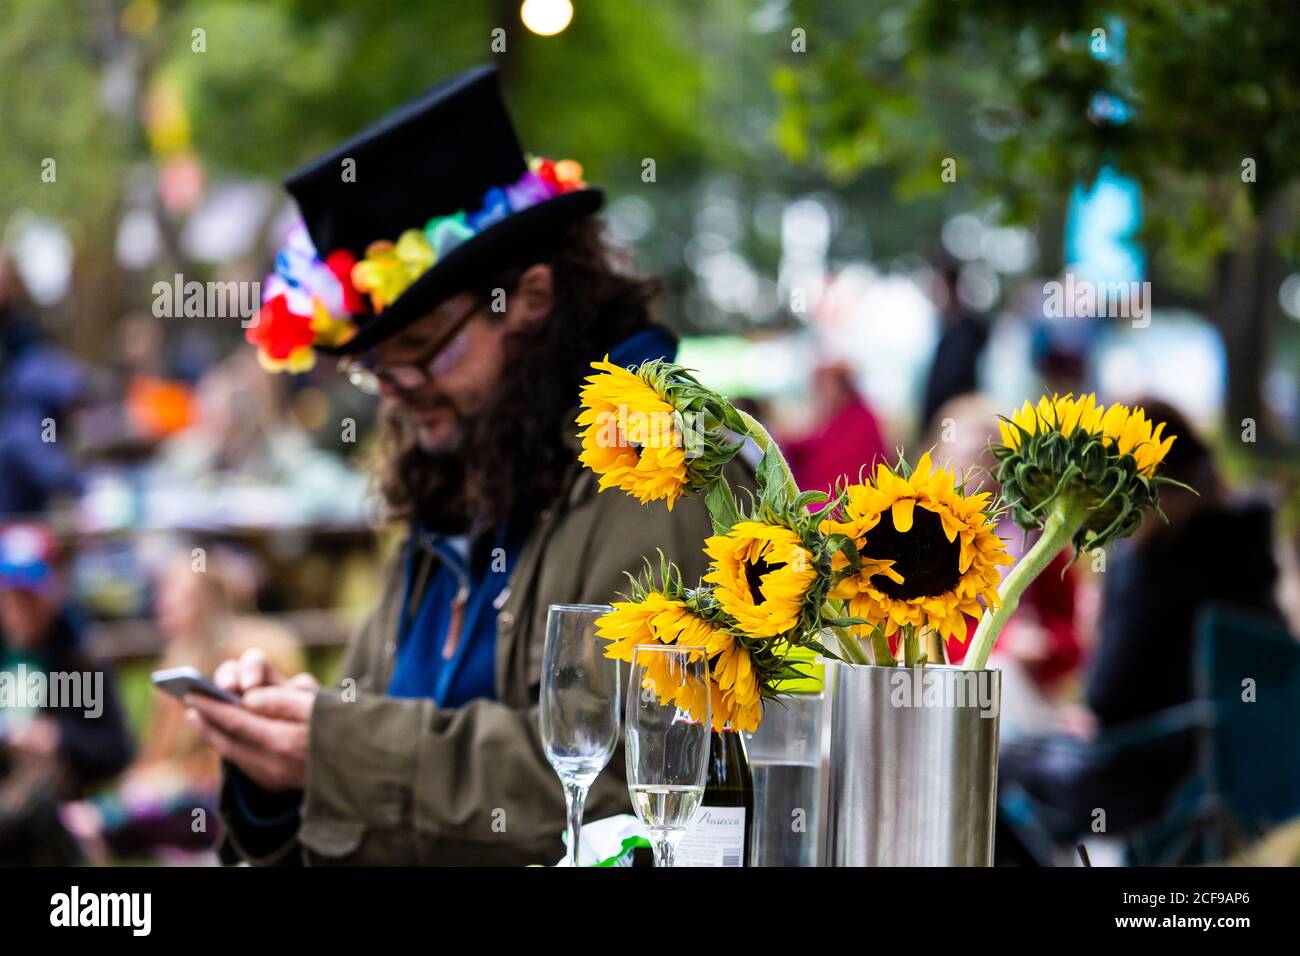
(308, 301)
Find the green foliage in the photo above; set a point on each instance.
(279, 81)
(1006, 89)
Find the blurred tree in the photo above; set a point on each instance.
(1198, 99)
(137, 98)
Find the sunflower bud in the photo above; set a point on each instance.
(1100, 461)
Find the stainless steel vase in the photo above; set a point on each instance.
(913, 766)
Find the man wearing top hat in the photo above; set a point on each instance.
(471, 289)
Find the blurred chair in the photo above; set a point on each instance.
(1247, 779)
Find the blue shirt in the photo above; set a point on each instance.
(425, 665)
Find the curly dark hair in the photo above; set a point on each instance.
(517, 451)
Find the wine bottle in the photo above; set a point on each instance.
(719, 833)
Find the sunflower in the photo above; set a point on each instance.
(764, 576)
(1129, 432)
(630, 437)
(1124, 430)
(656, 618)
(1084, 474)
(656, 432)
(1100, 462)
(928, 551)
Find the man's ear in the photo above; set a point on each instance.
(532, 298)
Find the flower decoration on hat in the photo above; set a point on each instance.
(308, 302)
(305, 302)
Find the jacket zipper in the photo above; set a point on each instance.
(455, 623)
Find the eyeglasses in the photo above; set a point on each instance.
(365, 373)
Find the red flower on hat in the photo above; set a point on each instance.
(340, 262)
(545, 169)
(560, 177)
(278, 332)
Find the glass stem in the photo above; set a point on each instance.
(575, 795)
(665, 851)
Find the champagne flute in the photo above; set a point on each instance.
(667, 746)
(578, 707)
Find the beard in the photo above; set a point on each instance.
(421, 467)
(438, 427)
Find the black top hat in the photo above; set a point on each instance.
(451, 150)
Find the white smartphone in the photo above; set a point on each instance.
(179, 681)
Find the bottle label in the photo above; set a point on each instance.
(716, 837)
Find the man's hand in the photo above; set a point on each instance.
(266, 737)
(252, 669)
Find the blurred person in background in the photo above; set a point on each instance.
(845, 436)
(156, 404)
(240, 428)
(18, 325)
(42, 387)
(50, 749)
(957, 354)
(243, 435)
(430, 738)
(174, 774)
(1060, 348)
(39, 386)
(1156, 585)
(1038, 649)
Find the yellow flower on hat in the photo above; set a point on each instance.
(389, 269)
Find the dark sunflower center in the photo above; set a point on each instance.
(924, 556)
(753, 576)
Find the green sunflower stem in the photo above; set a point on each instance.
(911, 647)
(880, 648)
(850, 647)
(1064, 520)
(768, 445)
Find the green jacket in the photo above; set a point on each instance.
(399, 782)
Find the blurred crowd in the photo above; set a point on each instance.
(135, 502)
(172, 437)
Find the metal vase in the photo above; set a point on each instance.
(913, 766)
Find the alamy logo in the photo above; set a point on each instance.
(74, 908)
(1084, 299)
(215, 300)
(23, 689)
(923, 687)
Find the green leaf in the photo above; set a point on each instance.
(845, 546)
(844, 621)
(810, 497)
(722, 506)
(771, 472)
